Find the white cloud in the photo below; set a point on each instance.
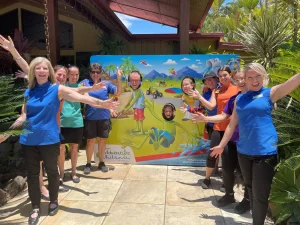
(148, 65)
(200, 63)
(126, 20)
(198, 60)
(194, 66)
(185, 59)
(170, 62)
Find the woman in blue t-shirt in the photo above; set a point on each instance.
(41, 139)
(229, 157)
(257, 144)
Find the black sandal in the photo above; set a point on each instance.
(53, 211)
(34, 221)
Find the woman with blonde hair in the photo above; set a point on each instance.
(257, 144)
(41, 141)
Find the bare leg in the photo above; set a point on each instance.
(209, 172)
(101, 148)
(61, 161)
(74, 157)
(90, 149)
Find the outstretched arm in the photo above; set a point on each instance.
(199, 117)
(72, 96)
(281, 90)
(9, 46)
(84, 89)
(217, 151)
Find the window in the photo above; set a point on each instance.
(33, 29)
(9, 22)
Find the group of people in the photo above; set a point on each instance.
(241, 131)
(238, 121)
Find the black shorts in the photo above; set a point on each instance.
(97, 128)
(71, 135)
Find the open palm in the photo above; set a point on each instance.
(6, 44)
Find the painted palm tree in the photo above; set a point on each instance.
(127, 68)
(110, 68)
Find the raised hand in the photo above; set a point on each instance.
(216, 151)
(120, 72)
(99, 86)
(194, 93)
(21, 74)
(6, 44)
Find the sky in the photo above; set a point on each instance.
(139, 26)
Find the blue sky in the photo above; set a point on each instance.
(139, 26)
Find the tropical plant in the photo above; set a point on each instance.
(285, 67)
(11, 100)
(264, 34)
(128, 66)
(111, 44)
(285, 190)
(195, 49)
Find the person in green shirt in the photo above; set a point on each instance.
(71, 123)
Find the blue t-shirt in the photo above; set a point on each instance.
(207, 95)
(258, 135)
(92, 113)
(42, 105)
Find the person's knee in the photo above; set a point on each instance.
(211, 162)
(102, 140)
(90, 141)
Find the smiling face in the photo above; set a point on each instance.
(61, 76)
(135, 80)
(211, 82)
(73, 75)
(41, 73)
(239, 80)
(224, 78)
(254, 80)
(187, 85)
(95, 75)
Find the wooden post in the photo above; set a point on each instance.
(53, 28)
(184, 24)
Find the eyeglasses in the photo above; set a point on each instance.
(95, 72)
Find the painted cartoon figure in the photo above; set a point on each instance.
(137, 101)
(161, 137)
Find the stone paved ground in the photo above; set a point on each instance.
(132, 195)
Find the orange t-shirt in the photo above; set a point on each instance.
(222, 97)
(58, 113)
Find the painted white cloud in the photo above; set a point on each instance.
(185, 59)
(170, 62)
(198, 60)
(200, 63)
(126, 20)
(148, 65)
(194, 66)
